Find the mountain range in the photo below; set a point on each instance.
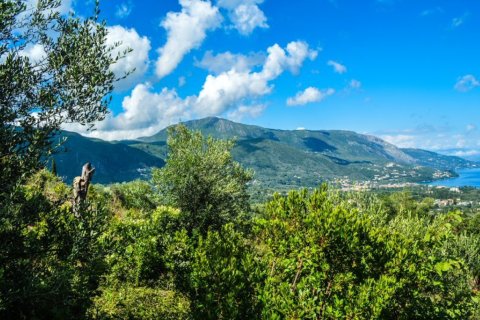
(281, 159)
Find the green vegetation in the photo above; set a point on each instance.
(141, 250)
(69, 83)
(189, 244)
(202, 180)
(50, 259)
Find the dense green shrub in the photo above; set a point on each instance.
(136, 245)
(327, 259)
(138, 283)
(128, 302)
(137, 194)
(50, 260)
(224, 276)
(308, 255)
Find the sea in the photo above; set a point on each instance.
(466, 178)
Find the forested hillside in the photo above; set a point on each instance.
(281, 159)
(116, 162)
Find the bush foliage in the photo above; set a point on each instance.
(140, 250)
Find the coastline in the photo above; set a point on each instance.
(466, 177)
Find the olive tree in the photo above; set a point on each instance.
(202, 180)
(68, 82)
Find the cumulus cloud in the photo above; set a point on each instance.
(144, 113)
(226, 90)
(309, 95)
(467, 83)
(136, 60)
(230, 88)
(245, 15)
(291, 59)
(186, 30)
(232, 92)
(226, 61)
(337, 67)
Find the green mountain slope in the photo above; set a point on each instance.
(282, 159)
(285, 159)
(114, 162)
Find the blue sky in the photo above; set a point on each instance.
(405, 70)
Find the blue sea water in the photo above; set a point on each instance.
(467, 177)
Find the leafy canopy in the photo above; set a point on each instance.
(69, 82)
(49, 259)
(202, 179)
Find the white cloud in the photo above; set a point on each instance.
(65, 6)
(137, 59)
(186, 30)
(355, 84)
(123, 10)
(245, 15)
(232, 92)
(229, 89)
(300, 129)
(309, 95)
(36, 53)
(252, 111)
(144, 113)
(226, 61)
(291, 59)
(337, 67)
(467, 83)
